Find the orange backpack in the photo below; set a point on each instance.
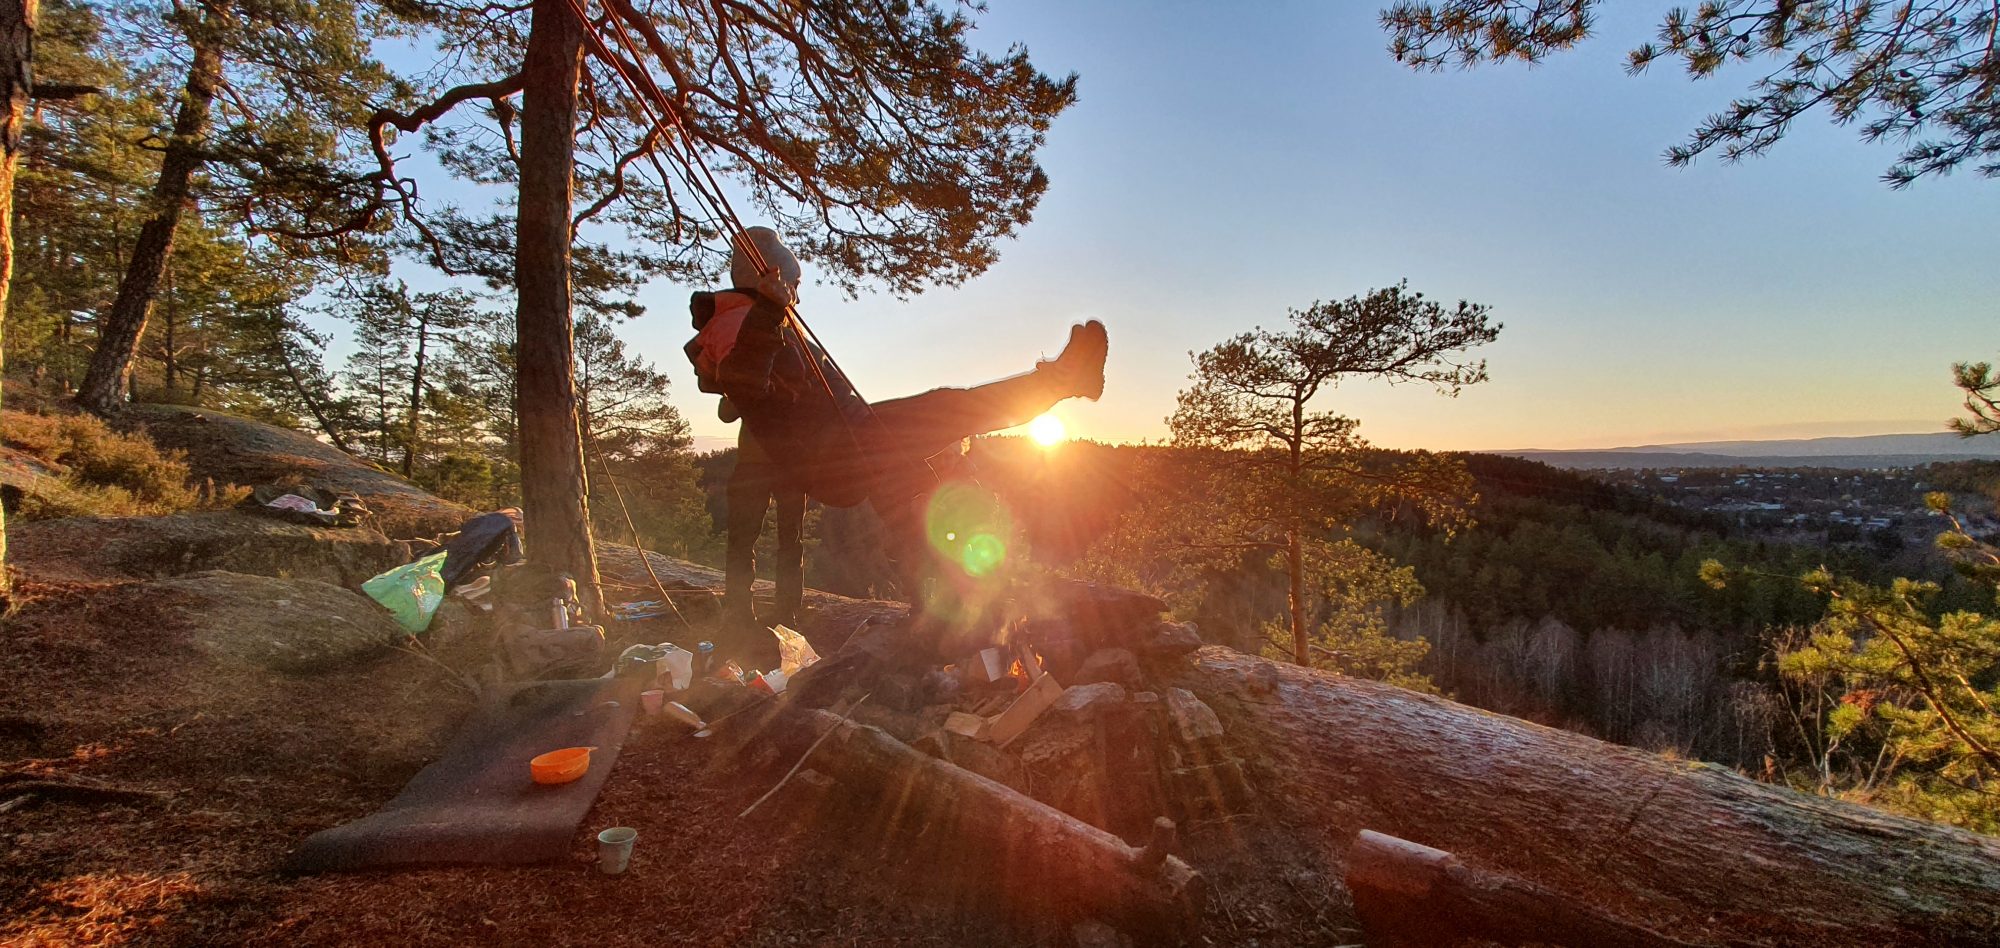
(738, 337)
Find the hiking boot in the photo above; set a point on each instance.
(1080, 368)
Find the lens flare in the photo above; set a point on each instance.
(1047, 430)
(970, 527)
(983, 554)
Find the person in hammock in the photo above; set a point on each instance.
(834, 445)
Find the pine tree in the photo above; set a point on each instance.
(876, 139)
(226, 297)
(267, 126)
(639, 440)
(400, 337)
(1981, 386)
(1895, 700)
(82, 165)
(17, 80)
(1293, 472)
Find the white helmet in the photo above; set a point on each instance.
(779, 276)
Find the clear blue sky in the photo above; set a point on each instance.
(1228, 161)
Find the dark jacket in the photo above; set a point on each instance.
(810, 422)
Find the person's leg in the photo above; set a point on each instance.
(922, 425)
(749, 494)
(791, 504)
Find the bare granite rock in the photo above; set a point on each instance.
(1077, 698)
(1194, 721)
(298, 626)
(100, 548)
(1114, 665)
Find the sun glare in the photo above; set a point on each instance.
(1047, 431)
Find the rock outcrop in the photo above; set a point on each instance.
(297, 626)
(232, 449)
(101, 548)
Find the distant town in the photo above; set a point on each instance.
(1884, 507)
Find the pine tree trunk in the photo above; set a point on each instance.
(1295, 569)
(553, 482)
(120, 329)
(1689, 850)
(1295, 545)
(306, 398)
(63, 337)
(17, 72)
(168, 365)
(416, 400)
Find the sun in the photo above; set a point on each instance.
(1047, 430)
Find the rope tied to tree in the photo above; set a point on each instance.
(707, 190)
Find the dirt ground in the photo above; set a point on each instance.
(103, 686)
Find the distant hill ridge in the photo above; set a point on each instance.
(1864, 451)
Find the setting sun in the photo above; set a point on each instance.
(1047, 430)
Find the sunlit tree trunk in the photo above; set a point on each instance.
(1295, 545)
(553, 483)
(120, 329)
(310, 400)
(416, 398)
(17, 73)
(169, 365)
(1295, 563)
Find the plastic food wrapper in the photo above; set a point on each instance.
(678, 664)
(768, 683)
(794, 652)
(296, 503)
(673, 666)
(410, 592)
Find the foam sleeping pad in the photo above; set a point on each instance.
(476, 805)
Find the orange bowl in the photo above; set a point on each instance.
(560, 766)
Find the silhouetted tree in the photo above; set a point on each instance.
(1916, 71)
(1980, 385)
(637, 436)
(399, 336)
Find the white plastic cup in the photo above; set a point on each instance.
(679, 665)
(683, 714)
(614, 849)
(651, 700)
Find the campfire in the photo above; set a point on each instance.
(1059, 723)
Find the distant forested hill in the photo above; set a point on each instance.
(1569, 600)
(1546, 541)
(1556, 543)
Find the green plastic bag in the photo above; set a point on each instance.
(411, 592)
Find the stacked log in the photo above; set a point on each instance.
(1047, 860)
